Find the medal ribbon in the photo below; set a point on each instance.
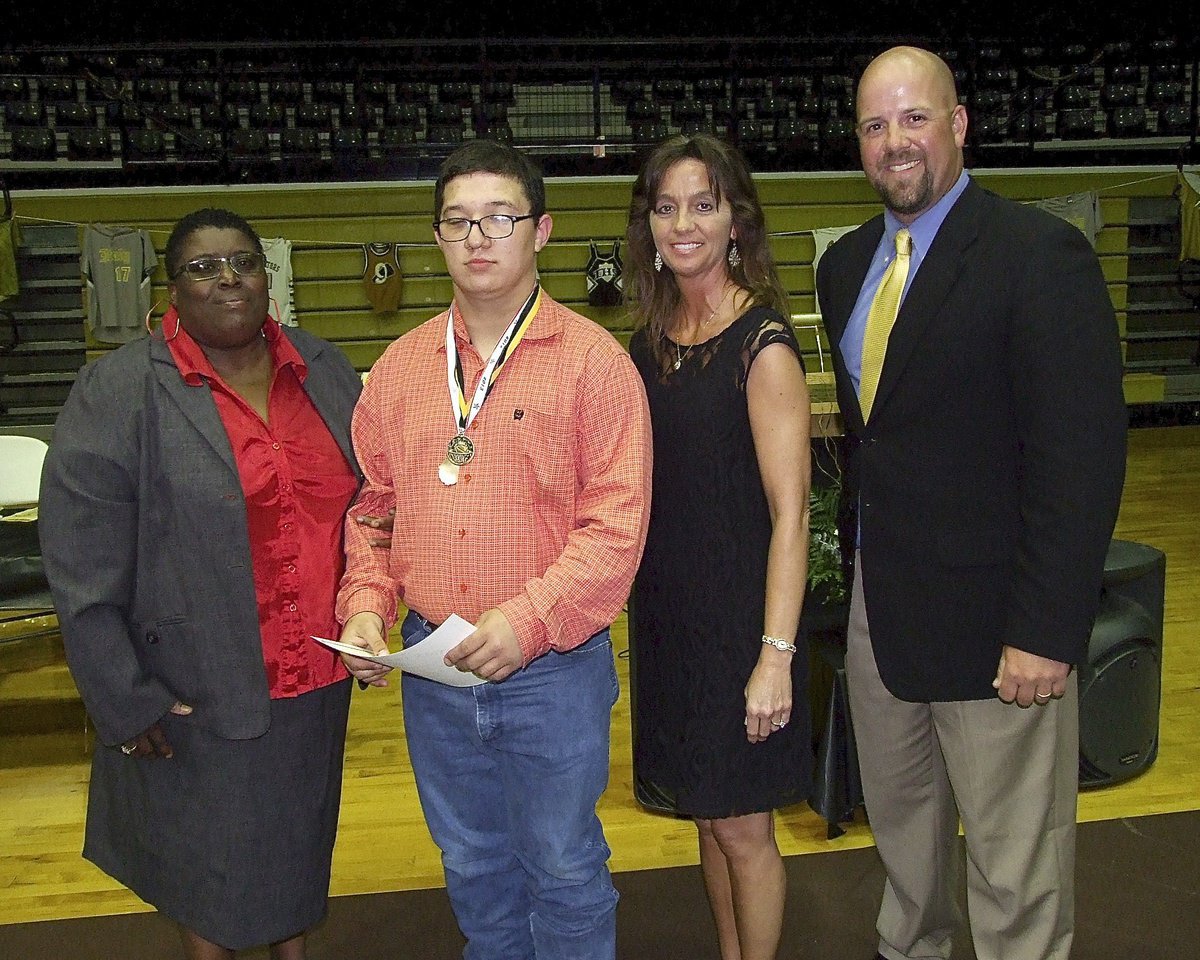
(464, 414)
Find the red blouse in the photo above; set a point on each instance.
(297, 486)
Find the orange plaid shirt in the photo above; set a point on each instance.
(547, 522)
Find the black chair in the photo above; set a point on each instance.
(329, 91)
(987, 101)
(285, 92)
(372, 91)
(772, 108)
(444, 115)
(1022, 127)
(1113, 95)
(74, 115)
(174, 114)
(791, 87)
(250, 143)
(24, 114)
(993, 78)
(55, 63)
(267, 116)
(197, 92)
(990, 127)
(201, 144)
(353, 115)
(809, 106)
(457, 92)
(347, 142)
(1073, 96)
(1123, 73)
(642, 111)
(152, 90)
(402, 115)
(313, 115)
(89, 144)
(444, 133)
(57, 89)
(750, 88)
(34, 143)
(689, 128)
(397, 136)
(501, 132)
(795, 140)
(412, 91)
(144, 144)
(839, 144)
(1075, 124)
(219, 115)
(1175, 120)
(10, 62)
(241, 92)
(13, 88)
(497, 91)
(488, 116)
(709, 90)
(649, 132)
(1162, 93)
(669, 90)
(299, 140)
(1127, 122)
(687, 111)
(149, 63)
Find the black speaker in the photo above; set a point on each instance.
(1120, 684)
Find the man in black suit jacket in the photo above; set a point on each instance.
(981, 493)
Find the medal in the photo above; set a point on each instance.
(460, 450)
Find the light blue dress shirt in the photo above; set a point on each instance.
(923, 230)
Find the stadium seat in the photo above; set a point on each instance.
(709, 90)
(248, 143)
(686, 111)
(352, 115)
(285, 92)
(267, 116)
(669, 90)
(990, 127)
(412, 91)
(397, 136)
(34, 143)
(218, 115)
(1073, 96)
(299, 140)
(626, 91)
(1076, 124)
(1127, 121)
(152, 90)
(174, 114)
(24, 114)
(313, 115)
(12, 88)
(501, 132)
(56, 89)
(201, 144)
(197, 91)
(642, 111)
(144, 144)
(241, 92)
(457, 92)
(89, 144)
(689, 128)
(372, 91)
(1174, 120)
(1160, 93)
(329, 91)
(809, 106)
(402, 115)
(772, 108)
(74, 115)
(443, 133)
(55, 63)
(347, 141)
(1114, 95)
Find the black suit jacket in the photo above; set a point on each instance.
(986, 484)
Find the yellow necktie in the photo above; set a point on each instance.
(880, 320)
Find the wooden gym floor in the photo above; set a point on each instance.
(383, 845)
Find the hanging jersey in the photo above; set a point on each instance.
(381, 278)
(1079, 209)
(1189, 215)
(604, 283)
(279, 280)
(117, 263)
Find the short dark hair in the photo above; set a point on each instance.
(198, 220)
(488, 156)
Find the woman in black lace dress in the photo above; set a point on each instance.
(722, 714)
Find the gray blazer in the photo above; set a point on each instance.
(145, 542)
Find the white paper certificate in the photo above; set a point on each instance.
(424, 659)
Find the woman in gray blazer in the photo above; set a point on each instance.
(191, 518)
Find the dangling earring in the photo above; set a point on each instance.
(154, 306)
(734, 257)
(657, 262)
(176, 333)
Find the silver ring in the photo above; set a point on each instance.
(128, 750)
(780, 725)
(1042, 697)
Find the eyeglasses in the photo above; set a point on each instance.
(209, 268)
(496, 226)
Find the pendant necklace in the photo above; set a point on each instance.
(681, 354)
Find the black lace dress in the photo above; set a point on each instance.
(696, 616)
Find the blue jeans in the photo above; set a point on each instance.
(509, 775)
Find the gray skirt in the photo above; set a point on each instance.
(230, 838)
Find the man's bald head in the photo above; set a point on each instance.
(911, 129)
